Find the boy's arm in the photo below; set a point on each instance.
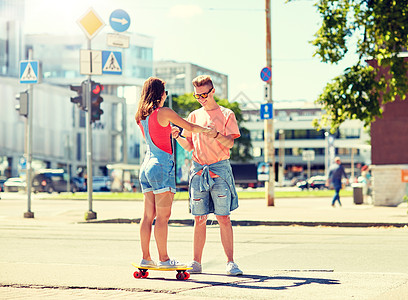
(226, 140)
(186, 143)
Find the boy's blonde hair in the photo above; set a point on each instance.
(202, 80)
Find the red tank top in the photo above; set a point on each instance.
(160, 135)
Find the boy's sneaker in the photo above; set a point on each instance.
(171, 263)
(232, 269)
(148, 263)
(196, 267)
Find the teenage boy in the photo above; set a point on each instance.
(211, 184)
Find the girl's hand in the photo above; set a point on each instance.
(175, 132)
(207, 130)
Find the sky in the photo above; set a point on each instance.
(227, 36)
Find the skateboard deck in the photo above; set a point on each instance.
(182, 273)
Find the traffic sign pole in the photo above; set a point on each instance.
(269, 131)
(90, 214)
(91, 24)
(29, 213)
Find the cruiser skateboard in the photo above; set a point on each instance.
(182, 273)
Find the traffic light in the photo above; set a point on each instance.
(22, 106)
(96, 100)
(80, 100)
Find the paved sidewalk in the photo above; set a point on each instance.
(287, 211)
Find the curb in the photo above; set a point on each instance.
(188, 222)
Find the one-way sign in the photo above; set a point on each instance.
(119, 20)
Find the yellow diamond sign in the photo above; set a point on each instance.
(91, 23)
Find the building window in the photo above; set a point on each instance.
(78, 146)
(349, 133)
(82, 119)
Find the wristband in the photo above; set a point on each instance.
(217, 134)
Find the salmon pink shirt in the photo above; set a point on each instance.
(208, 150)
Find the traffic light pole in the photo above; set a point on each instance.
(30, 103)
(89, 215)
(269, 131)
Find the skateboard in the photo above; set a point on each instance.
(182, 273)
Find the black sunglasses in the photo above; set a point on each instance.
(167, 92)
(203, 95)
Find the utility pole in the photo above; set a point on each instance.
(269, 131)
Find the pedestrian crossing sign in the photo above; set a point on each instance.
(112, 62)
(29, 71)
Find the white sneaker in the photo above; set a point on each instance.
(148, 263)
(171, 263)
(196, 267)
(232, 269)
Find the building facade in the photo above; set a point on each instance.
(59, 137)
(295, 133)
(389, 154)
(179, 77)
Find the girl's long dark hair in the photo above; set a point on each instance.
(152, 92)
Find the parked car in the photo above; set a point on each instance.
(52, 180)
(314, 182)
(80, 183)
(101, 183)
(14, 184)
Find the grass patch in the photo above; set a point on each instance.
(184, 195)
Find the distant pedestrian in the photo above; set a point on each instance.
(336, 174)
(365, 180)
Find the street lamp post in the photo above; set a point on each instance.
(326, 154)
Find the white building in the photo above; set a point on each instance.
(59, 138)
(179, 77)
(294, 133)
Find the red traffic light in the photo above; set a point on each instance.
(97, 89)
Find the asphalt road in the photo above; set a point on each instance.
(69, 261)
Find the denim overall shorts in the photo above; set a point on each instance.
(157, 171)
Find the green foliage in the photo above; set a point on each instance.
(380, 28)
(241, 151)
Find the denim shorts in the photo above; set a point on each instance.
(218, 199)
(157, 176)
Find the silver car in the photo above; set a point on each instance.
(14, 184)
(101, 183)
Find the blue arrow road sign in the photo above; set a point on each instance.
(119, 20)
(29, 71)
(266, 74)
(111, 62)
(266, 111)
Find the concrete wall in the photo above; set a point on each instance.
(388, 188)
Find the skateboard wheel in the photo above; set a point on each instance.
(180, 276)
(145, 274)
(187, 275)
(137, 274)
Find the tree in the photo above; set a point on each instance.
(241, 151)
(381, 30)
